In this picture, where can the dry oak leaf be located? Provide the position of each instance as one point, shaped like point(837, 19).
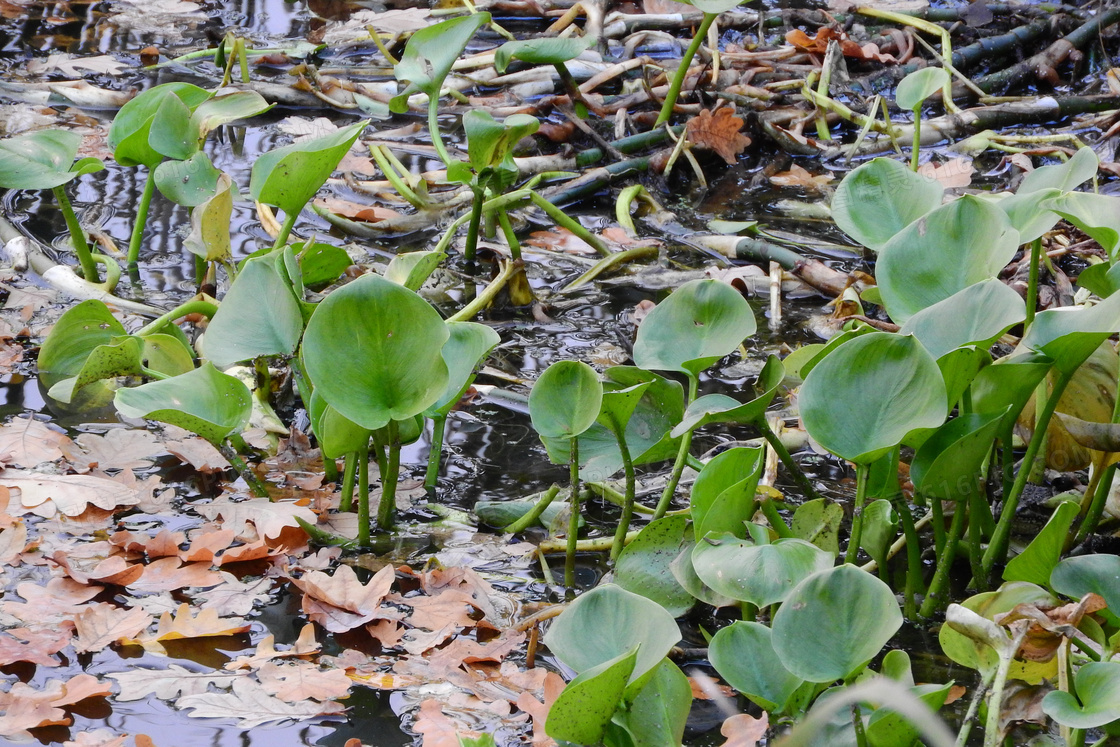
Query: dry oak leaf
point(205, 546)
point(28, 442)
point(270, 518)
point(21, 715)
point(356, 211)
point(164, 544)
point(340, 602)
point(183, 625)
point(170, 683)
point(102, 625)
point(955, 173)
point(299, 680)
point(553, 686)
point(111, 570)
point(46, 605)
point(720, 132)
point(305, 645)
point(449, 607)
point(437, 729)
point(44, 495)
point(13, 541)
point(198, 453)
point(98, 738)
point(170, 574)
point(119, 448)
point(799, 177)
point(57, 692)
point(744, 730)
point(34, 646)
point(253, 706)
point(234, 597)
point(462, 651)
point(387, 632)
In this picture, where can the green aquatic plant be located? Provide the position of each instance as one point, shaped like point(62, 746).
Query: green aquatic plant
point(47, 159)
point(914, 89)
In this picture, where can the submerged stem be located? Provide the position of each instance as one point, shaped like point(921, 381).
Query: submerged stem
point(77, 236)
point(362, 458)
point(933, 600)
point(389, 478)
point(137, 236)
point(349, 472)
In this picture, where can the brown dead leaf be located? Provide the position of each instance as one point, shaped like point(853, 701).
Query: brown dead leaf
point(305, 645)
point(252, 706)
point(436, 728)
point(97, 738)
point(21, 715)
point(34, 646)
point(183, 625)
point(112, 570)
point(101, 625)
point(170, 574)
point(559, 240)
point(818, 44)
point(720, 132)
point(341, 602)
point(118, 448)
point(168, 684)
point(11, 353)
point(206, 545)
point(1049, 627)
point(387, 632)
point(13, 541)
point(799, 177)
point(355, 211)
point(1022, 703)
point(744, 730)
point(199, 453)
point(60, 599)
point(448, 607)
point(295, 681)
point(29, 442)
point(233, 597)
point(955, 173)
point(44, 495)
point(269, 517)
point(538, 710)
point(463, 651)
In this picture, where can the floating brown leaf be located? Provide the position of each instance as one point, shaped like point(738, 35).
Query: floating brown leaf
point(44, 495)
point(744, 730)
point(45, 605)
point(720, 132)
point(184, 625)
point(538, 710)
point(34, 646)
point(170, 683)
point(29, 442)
point(436, 728)
point(270, 518)
point(13, 541)
point(955, 173)
point(111, 570)
point(295, 681)
point(253, 706)
point(97, 738)
point(170, 574)
point(119, 448)
point(799, 177)
point(233, 597)
point(305, 645)
point(102, 625)
point(340, 602)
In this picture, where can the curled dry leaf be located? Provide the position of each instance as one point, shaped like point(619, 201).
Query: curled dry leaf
point(799, 177)
point(436, 728)
point(720, 132)
point(111, 570)
point(341, 602)
point(818, 44)
point(305, 645)
point(170, 574)
point(538, 710)
point(184, 625)
point(13, 541)
point(356, 211)
point(270, 518)
point(97, 738)
point(29, 442)
point(234, 597)
point(23, 707)
point(60, 599)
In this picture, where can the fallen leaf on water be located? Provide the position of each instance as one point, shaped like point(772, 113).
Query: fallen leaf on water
point(34, 646)
point(955, 173)
point(720, 132)
point(436, 728)
point(559, 240)
point(251, 705)
point(799, 177)
point(29, 442)
point(21, 715)
point(118, 448)
point(13, 541)
point(98, 738)
point(448, 607)
point(170, 683)
point(538, 710)
point(112, 570)
point(270, 518)
point(295, 681)
point(744, 730)
point(102, 625)
point(206, 545)
point(170, 574)
point(183, 625)
point(45, 495)
point(46, 605)
point(341, 602)
point(305, 645)
point(72, 67)
point(356, 211)
point(199, 453)
point(234, 597)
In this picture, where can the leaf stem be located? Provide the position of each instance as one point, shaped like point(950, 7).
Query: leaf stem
point(934, 600)
point(137, 236)
point(389, 478)
point(1032, 282)
point(862, 473)
point(433, 129)
point(530, 517)
point(194, 306)
point(916, 146)
point(682, 457)
point(349, 472)
point(77, 236)
point(619, 432)
point(286, 229)
point(682, 70)
point(362, 458)
point(573, 519)
point(476, 222)
point(786, 458)
point(439, 423)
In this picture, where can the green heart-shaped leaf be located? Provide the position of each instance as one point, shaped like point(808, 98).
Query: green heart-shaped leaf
point(545, 51)
point(429, 55)
point(586, 705)
point(977, 315)
point(43, 160)
point(744, 655)
point(565, 400)
point(465, 349)
point(1098, 690)
point(919, 86)
point(759, 574)
point(643, 567)
point(204, 401)
point(880, 198)
point(131, 134)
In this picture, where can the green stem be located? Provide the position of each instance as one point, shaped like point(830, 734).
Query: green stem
point(573, 519)
point(915, 148)
point(619, 431)
point(682, 70)
point(77, 236)
point(389, 478)
point(530, 518)
point(1032, 282)
point(137, 236)
point(286, 229)
point(439, 423)
point(256, 486)
point(362, 458)
point(786, 458)
point(484, 298)
point(934, 597)
point(476, 221)
point(862, 472)
point(606, 263)
point(349, 472)
point(388, 169)
point(330, 470)
point(995, 699)
point(978, 506)
point(194, 306)
point(1096, 508)
point(433, 129)
point(913, 557)
point(511, 236)
point(938, 512)
point(682, 457)
point(770, 511)
point(564, 220)
point(997, 548)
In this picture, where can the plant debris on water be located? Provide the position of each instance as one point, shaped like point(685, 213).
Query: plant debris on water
point(559, 372)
